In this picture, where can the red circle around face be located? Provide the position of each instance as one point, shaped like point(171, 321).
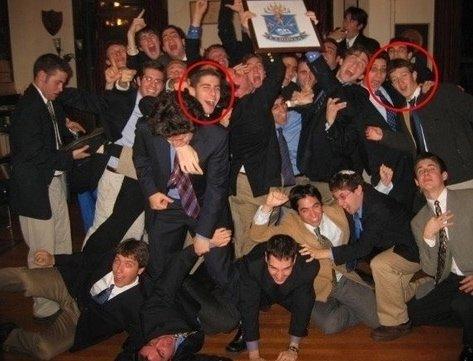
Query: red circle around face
point(183, 105)
point(432, 91)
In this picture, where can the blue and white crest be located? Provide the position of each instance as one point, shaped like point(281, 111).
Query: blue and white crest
point(281, 25)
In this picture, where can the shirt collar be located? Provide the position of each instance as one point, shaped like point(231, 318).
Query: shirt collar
point(442, 198)
point(414, 95)
point(41, 94)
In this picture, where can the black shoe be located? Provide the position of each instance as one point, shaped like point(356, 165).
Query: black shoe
point(467, 354)
point(5, 329)
point(237, 344)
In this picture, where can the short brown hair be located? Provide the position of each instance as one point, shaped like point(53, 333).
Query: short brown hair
point(136, 249)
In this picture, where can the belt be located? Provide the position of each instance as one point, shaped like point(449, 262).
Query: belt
point(111, 169)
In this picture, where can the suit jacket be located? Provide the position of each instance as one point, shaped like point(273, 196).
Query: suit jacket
point(292, 225)
point(151, 156)
point(385, 224)
point(369, 43)
point(460, 234)
point(257, 287)
point(448, 128)
point(34, 157)
point(394, 150)
point(253, 140)
point(97, 322)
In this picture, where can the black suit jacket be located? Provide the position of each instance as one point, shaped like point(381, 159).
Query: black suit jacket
point(34, 157)
point(386, 223)
point(369, 43)
point(394, 151)
point(97, 322)
point(448, 128)
point(257, 288)
point(151, 156)
point(253, 140)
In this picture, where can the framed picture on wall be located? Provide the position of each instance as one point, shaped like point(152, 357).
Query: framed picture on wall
point(211, 16)
point(281, 26)
point(417, 33)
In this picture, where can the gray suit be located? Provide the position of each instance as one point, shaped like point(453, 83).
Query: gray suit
point(445, 304)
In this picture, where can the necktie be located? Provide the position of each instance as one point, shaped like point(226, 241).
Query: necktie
point(390, 115)
point(351, 265)
point(287, 172)
point(325, 242)
point(185, 189)
point(442, 253)
point(104, 295)
point(416, 127)
point(52, 114)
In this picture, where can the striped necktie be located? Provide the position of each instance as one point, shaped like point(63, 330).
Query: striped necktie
point(442, 253)
point(52, 114)
point(390, 115)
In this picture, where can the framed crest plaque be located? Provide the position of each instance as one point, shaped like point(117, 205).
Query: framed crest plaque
point(281, 26)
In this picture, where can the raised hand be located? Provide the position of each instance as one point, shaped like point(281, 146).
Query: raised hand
point(385, 175)
point(435, 224)
point(245, 17)
point(334, 105)
point(137, 24)
point(275, 198)
point(312, 17)
point(236, 7)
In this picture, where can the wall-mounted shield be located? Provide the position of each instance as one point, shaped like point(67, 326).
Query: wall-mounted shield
point(52, 21)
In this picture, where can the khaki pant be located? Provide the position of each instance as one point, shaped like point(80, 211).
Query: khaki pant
point(392, 274)
point(48, 283)
point(52, 235)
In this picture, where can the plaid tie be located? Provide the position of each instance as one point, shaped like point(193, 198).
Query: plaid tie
point(287, 172)
point(185, 189)
point(103, 295)
point(57, 135)
point(390, 115)
point(325, 242)
point(442, 254)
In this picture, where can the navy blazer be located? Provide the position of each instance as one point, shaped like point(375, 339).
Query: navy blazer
point(152, 160)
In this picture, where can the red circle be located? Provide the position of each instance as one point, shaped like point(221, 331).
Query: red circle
point(184, 107)
point(431, 92)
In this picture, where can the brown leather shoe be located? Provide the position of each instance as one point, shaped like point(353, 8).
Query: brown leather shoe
point(389, 333)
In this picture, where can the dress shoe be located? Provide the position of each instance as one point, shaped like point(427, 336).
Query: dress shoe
point(389, 333)
point(467, 354)
point(5, 329)
point(237, 344)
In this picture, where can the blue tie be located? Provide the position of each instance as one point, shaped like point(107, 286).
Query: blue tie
point(390, 115)
point(287, 172)
point(103, 295)
point(351, 265)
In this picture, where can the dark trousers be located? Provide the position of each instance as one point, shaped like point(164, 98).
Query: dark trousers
point(445, 305)
point(128, 206)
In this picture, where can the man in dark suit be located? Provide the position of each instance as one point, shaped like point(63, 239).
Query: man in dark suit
point(98, 292)
point(272, 273)
point(179, 202)
point(443, 126)
point(386, 139)
point(354, 22)
point(255, 164)
point(38, 165)
point(380, 231)
point(443, 229)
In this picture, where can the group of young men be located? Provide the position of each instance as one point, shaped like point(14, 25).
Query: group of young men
point(303, 195)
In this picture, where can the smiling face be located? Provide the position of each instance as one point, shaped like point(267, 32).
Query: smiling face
point(256, 72)
point(280, 269)
point(207, 92)
point(173, 44)
point(219, 55)
point(399, 52)
point(351, 26)
point(125, 270)
point(350, 201)
point(404, 81)
point(159, 349)
point(377, 74)
point(116, 52)
point(430, 178)
point(352, 68)
point(151, 82)
point(51, 85)
point(148, 43)
point(310, 210)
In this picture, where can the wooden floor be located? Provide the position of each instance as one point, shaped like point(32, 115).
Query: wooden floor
point(355, 344)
